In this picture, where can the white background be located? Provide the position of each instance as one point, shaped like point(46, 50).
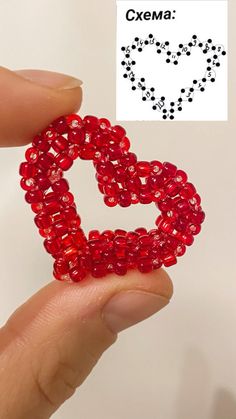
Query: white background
point(181, 363)
point(206, 19)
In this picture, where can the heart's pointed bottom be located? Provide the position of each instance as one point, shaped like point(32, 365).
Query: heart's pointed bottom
point(123, 180)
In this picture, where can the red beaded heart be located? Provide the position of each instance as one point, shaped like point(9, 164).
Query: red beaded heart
point(124, 181)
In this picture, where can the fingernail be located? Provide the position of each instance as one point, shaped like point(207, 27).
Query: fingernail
point(127, 308)
point(50, 79)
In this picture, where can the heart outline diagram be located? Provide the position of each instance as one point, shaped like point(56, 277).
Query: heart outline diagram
point(123, 180)
point(159, 103)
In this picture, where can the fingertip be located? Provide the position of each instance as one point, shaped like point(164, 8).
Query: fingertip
point(27, 106)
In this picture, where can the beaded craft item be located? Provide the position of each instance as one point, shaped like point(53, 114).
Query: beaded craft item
point(124, 181)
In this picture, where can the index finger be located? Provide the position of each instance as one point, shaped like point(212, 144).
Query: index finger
point(31, 99)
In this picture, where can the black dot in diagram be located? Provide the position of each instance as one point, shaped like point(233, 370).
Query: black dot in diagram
point(152, 95)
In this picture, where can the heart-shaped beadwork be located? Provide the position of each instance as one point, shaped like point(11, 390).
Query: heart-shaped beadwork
point(124, 181)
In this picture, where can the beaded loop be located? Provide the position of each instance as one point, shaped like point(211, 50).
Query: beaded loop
point(123, 180)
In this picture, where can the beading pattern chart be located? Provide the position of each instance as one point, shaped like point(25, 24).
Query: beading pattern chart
point(158, 102)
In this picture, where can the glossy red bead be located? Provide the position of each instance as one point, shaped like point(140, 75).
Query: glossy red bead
point(27, 170)
point(60, 187)
point(32, 197)
point(43, 220)
point(59, 144)
point(63, 161)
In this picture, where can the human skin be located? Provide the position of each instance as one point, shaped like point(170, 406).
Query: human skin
point(44, 356)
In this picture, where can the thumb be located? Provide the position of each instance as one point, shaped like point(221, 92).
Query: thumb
point(52, 342)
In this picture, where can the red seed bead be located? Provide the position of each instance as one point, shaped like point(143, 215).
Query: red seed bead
point(94, 235)
point(165, 205)
point(60, 187)
point(58, 217)
point(49, 134)
point(32, 155)
point(120, 232)
point(133, 184)
point(99, 270)
point(67, 241)
point(182, 206)
point(47, 233)
point(156, 182)
point(108, 234)
point(145, 265)
point(73, 151)
point(143, 168)
point(145, 197)
point(37, 207)
point(76, 136)
point(121, 267)
point(158, 195)
point(70, 213)
point(188, 191)
point(52, 207)
point(120, 242)
point(45, 161)
point(165, 226)
point(111, 190)
point(41, 144)
point(42, 181)
point(61, 267)
point(124, 199)
point(118, 132)
point(79, 238)
point(50, 196)
point(28, 184)
point(110, 201)
point(75, 223)
point(54, 174)
point(187, 239)
point(195, 200)
point(60, 144)
point(52, 246)
point(43, 220)
point(193, 229)
point(169, 169)
point(69, 252)
point(181, 177)
point(125, 144)
point(63, 161)
point(60, 228)
point(172, 188)
point(145, 241)
point(120, 174)
point(156, 167)
point(60, 125)
point(34, 196)
point(141, 231)
point(74, 121)
point(132, 237)
point(134, 198)
point(27, 170)
point(77, 274)
point(114, 152)
point(104, 124)
point(88, 152)
point(156, 263)
point(105, 169)
point(128, 159)
point(170, 260)
point(91, 123)
point(180, 250)
point(67, 199)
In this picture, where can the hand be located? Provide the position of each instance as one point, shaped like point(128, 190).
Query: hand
point(51, 343)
